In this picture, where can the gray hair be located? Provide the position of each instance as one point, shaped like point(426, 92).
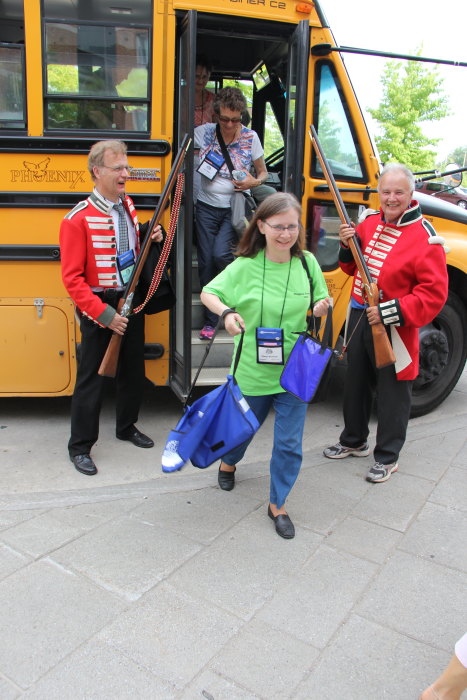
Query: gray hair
point(398, 167)
point(97, 153)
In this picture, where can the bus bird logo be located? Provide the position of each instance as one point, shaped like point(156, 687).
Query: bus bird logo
point(38, 169)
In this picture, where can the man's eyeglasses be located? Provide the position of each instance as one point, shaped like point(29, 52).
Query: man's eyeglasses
point(118, 168)
point(226, 120)
point(278, 228)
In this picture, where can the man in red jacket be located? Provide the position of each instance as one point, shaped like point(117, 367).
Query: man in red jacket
point(99, 242)
point(407, 261)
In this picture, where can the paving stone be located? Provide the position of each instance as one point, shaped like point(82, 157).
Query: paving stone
point(420, 599)
point(9, 518)
point(97, 671)
point(369, 662)
point(243, 567)
point(40, 535)
point(431, 454)
point(364, 539)
point(324, 495)
point(11, 560)
point(394, 503)
point(7, 690)
point(451, 491)
point(440, 534)
point(210, 686)
point(47, 612)
point(199, 515)
point(416, 461)
point(127, 556)
point(318, 599)
point(265, 661)
point(170, 633)
point(87, 516)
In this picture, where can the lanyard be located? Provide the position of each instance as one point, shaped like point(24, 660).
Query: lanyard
point(285, 293)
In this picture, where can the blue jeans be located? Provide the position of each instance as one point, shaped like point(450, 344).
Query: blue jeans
point(216, 243)
point(286, 458)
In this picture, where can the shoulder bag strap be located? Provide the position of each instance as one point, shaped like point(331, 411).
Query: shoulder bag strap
point(224, 150)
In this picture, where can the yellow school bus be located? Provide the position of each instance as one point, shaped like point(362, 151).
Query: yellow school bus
point(76, 72)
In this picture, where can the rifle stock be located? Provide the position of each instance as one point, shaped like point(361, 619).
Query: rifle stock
point(384, 354)
point(108, 366)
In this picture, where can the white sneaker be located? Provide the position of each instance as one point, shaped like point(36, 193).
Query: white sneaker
point(339, 451)
point(381, 472)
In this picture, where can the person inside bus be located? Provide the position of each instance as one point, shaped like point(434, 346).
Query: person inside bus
point(204, 99)
point(99, 240)
point(407, 261)
point(204, 111)
point(216, 235)
point(267, 287)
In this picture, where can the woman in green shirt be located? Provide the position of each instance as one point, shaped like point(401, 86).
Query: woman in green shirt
point(266, 293)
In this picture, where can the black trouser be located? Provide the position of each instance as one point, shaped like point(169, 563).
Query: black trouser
point(87, 397)
point(361, 381)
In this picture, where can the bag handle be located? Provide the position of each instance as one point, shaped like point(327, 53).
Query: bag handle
point(206, 353)
point(327, 335)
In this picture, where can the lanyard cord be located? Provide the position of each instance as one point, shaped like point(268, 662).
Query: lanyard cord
point(285, 293)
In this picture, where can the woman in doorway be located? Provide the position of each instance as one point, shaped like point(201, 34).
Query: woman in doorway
point(267, 287)
point(216, 236)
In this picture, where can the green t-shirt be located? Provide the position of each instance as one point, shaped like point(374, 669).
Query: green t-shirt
point(240, 286)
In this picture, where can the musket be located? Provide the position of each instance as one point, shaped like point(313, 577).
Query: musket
point(108, 367)
point(384, 354)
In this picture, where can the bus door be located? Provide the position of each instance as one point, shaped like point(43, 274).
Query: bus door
point(297, 85)
point(268, 61)
point(180, 357)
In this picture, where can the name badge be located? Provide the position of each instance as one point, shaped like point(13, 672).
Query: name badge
point(126, 263)
point(210, 165)
point(269, 346)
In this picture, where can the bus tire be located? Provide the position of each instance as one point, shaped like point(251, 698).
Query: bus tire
point(443, 353)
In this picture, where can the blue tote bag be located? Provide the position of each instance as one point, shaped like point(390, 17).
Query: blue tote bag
point(307, 363)
point(212, 426)
point(309, 358)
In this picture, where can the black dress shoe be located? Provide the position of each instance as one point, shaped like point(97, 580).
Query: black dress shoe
point(226, 480)
point(84, 464)
point(137, 438)
point(284, 525)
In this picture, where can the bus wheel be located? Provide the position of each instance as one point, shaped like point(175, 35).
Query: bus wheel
point(443, 351)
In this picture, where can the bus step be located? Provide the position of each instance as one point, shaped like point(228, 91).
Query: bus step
point(210, 376)
point(220, 354)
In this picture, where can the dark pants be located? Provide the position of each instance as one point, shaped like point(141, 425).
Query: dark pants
point(361, 382)
point(216, 243)
point(87, 397)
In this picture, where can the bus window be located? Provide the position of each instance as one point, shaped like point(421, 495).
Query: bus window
point(335, 134)
point(12, 102)
point(273, 138)
point(322, 236)
point(97, 77)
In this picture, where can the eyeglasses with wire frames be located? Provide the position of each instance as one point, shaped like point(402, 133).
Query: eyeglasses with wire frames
point(279, 228)
point(118, 168)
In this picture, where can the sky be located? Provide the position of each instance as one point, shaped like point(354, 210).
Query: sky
point(402, 26)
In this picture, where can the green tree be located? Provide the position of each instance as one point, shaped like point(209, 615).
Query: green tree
point(458, 155)
point(412, 94)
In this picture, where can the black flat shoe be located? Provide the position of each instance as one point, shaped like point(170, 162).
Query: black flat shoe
point(284, 525)
point(138, 438)
point(84, 464)
point(226, 480)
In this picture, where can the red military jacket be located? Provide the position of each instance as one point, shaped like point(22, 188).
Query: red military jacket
point(408, 263)
point(88, 250)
